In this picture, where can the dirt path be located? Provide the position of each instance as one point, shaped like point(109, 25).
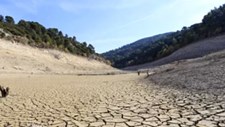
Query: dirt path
point(107, 101)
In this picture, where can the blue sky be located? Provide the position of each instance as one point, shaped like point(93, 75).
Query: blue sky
point(109, 24)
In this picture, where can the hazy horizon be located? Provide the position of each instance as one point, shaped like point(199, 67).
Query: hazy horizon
point(110, 24)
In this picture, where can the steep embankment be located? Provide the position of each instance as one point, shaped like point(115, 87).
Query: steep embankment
point(17, 58)
point(194, 50)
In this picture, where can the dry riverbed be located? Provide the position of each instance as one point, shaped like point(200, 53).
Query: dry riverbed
point(106, 101)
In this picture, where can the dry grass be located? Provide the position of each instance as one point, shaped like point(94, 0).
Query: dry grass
point(17, 58)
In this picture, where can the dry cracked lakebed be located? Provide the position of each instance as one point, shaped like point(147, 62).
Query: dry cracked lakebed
point(104, 101)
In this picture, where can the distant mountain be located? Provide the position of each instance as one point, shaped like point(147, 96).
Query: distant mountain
point(191, 51)
point(124, 53)
point(213, 24)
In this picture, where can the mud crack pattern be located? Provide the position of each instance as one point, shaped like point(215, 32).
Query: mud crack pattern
point(105, 101)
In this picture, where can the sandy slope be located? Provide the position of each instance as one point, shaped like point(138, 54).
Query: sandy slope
point(18, 58)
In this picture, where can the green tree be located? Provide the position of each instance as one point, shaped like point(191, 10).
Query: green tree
point(46, 38)
point(9, 19)
point(74, 39)
point(1, 18)
point(91, 48)
point(84, 44)
point(60, 34)
point(23, 23)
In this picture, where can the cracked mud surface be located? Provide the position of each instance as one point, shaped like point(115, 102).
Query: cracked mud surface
point(104, 101)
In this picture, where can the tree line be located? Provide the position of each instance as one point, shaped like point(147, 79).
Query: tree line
point(39, 36)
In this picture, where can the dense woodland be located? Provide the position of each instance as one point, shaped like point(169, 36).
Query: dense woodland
point(213, 24)
point(37, 35)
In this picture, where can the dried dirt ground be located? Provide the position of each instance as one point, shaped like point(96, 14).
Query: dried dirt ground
point(104, 101)
point(46, 91)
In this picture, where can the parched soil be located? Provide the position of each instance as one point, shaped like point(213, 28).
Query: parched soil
point(104, 101)
point(205, 74)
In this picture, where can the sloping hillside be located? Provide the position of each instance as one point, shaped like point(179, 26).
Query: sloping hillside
point(18, 58)
point(125, 55)
point(194, 50)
